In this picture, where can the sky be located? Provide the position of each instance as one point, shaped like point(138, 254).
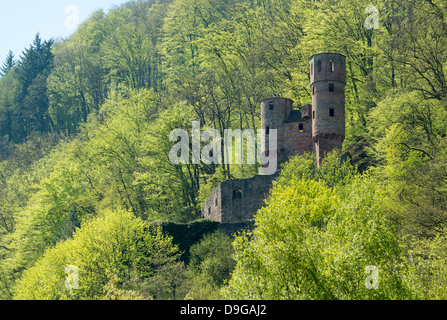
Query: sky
point(21, 20)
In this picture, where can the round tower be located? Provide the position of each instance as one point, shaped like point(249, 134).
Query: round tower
point(274, 111)
point(327, 81)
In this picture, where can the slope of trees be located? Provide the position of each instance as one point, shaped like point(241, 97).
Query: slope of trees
point(84, 136)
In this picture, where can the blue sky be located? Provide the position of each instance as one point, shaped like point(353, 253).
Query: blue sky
point(20, 20)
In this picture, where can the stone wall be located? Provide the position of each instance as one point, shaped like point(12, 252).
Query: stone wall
point(299, 141)
point(327, 81)
point(273, 113)
point(236, 201)
point(322, 130)
point(323, 100)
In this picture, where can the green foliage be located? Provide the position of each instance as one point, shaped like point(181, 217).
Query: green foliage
point(311, 243)
point(115, 242)
point(334, 171)
point(210, 266)
point(112, 292)
point(85, 124)
point(8, 64)
point(186, 235)
point(213, 257)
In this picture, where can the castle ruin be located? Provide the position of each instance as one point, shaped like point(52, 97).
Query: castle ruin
point(318, 127)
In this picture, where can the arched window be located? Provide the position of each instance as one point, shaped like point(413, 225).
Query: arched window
point(331, 66)
point(237, 194)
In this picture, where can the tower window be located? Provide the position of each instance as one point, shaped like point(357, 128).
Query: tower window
point(267, 130)
point(313, 90)
point(313, 114)
point(300, 127)
point(209, 211)
point(331, 87)
point(271, 105)
point(331, 112)
point(237, 194)
point(215, 202)
point(331, 66)
point(319, 66)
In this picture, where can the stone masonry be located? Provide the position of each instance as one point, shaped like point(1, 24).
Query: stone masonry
point(318, 128)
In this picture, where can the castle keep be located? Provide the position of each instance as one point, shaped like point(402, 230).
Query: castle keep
point(318, 127)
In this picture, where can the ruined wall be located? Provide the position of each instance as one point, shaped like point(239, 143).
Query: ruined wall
point(319, 128)
point(212, 207)
point(237, 200)
point(299, 141)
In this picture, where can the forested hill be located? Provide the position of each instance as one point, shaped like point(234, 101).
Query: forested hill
point(84, 150)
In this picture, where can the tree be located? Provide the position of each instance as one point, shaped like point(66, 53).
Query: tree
point(8, 64)
point(210, 266)
point(32, 71)
point(314, 242)
point(115, 243)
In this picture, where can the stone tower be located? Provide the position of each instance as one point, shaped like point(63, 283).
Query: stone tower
point(317, 128)
point(327, 81)
point(274, 111)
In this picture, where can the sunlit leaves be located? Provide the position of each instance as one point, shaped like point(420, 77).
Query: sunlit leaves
point(312, 242)
point(116, 243)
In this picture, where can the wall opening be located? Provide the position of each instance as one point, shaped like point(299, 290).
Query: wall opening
point(331, 87)
point(313, 114)
point(313, 90)
point(300, 127)
point(331, 112)
point(319, 65)
point(271, 105)
point(237, 193)
point(331, 66)
point(267, 130)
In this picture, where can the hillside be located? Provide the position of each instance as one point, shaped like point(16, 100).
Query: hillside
point(86, 178)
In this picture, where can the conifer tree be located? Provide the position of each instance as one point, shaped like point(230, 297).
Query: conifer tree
point(8, 64)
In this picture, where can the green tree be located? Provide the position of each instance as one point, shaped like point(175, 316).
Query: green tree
point(8, 64)
point(9, 104)
point(32, 71)
point(78, 84)
point(210, 266)
point(314, 242)
point(115, 242)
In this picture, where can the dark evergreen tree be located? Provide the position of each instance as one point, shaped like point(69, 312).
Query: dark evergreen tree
point(33, 70)
point(8, 64)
